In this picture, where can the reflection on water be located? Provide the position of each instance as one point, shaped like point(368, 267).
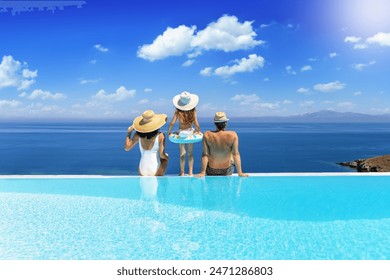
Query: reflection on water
point(149, 187)
point(299, 198)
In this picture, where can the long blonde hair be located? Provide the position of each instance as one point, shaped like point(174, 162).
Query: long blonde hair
point(186, 117)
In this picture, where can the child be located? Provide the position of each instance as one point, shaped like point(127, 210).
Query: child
point(185, 104)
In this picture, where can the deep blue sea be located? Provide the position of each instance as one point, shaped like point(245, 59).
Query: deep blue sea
point(97, 147)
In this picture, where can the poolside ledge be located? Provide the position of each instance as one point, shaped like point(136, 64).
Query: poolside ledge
point(303, 174)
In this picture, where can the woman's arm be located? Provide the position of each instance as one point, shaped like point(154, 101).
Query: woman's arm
point(163, 156)
point(130, 142)
point(161, 147)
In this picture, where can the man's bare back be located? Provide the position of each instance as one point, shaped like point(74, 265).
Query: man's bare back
point(220, 147)
point(220, 150)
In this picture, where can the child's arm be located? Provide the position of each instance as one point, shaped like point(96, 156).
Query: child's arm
point(174, 119)
point(196, 123)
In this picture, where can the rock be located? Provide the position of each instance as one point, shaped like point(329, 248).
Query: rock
point(375, 164)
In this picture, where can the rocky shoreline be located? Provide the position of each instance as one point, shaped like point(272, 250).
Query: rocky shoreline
point(375, 164)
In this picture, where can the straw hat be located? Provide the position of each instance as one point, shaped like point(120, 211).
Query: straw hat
point(220, 117)
point(185, 101)
point(149, 121)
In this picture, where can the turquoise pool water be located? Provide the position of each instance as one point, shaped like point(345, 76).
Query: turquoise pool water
point(260, 217)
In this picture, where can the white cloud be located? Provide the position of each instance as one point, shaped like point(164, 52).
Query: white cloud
point(303, 90)
point(286, 102)
point(270, 106)
point(333, 55)
point(360, 46)
point(173, 42)
point(266, 25)
point(188, 63)
point(329, 87)
point(245, 99)
point(148, 90)
point(290, 70)
point(208, 71)
point(346, 105)
point(380, 110)
point(352, 39)
point(381, 38)
point(16, 74)
point(41, 110)
point(119, 95)
point(84, 81)
point(357, 93)
point(44, 95)
point(306, 68)
point(93, 61)
point(356, 41)
point(249, 64)
point(9, 104)
point(101, 48)
point(143, 101)
point(253, 101)
point(226, 34)
point(361, 66)
point(209, 107)
point(308, 103)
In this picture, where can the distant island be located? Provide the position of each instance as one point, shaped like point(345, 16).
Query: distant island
point(375, 164)
point(320, 116)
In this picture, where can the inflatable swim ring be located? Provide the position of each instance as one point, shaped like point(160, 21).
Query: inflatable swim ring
point(175, 138)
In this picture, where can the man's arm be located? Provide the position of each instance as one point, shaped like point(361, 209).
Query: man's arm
point(237, 157)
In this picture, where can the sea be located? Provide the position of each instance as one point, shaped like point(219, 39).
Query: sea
point(97, 148)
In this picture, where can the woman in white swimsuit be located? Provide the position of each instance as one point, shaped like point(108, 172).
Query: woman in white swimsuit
point(154, 159)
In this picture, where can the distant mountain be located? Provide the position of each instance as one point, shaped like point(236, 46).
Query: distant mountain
point(321, 116)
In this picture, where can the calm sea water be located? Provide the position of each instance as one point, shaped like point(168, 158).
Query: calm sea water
point(97, 148)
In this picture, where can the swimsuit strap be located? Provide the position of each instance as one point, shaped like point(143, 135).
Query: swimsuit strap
point(154, 147)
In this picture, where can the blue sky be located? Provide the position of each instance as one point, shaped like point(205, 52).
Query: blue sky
point(115, 59)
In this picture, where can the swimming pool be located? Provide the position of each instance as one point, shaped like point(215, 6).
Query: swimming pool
point(264, 216)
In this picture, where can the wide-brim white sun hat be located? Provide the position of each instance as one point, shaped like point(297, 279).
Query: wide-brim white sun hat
point(149, 121)
point(185, 101)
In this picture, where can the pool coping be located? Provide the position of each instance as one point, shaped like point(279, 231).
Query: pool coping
point(303, 174)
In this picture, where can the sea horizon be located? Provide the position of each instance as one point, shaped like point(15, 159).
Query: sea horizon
point(97, 147)
point(322, 116)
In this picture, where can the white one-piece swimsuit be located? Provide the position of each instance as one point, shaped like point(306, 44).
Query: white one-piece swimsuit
point(150, 159)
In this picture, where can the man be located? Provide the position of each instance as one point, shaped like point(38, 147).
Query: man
point(220, 150)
